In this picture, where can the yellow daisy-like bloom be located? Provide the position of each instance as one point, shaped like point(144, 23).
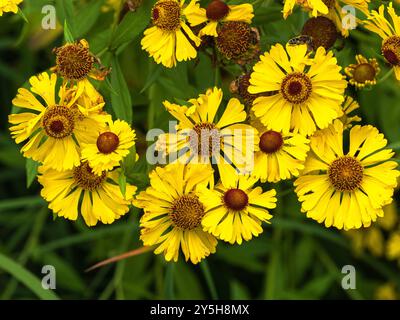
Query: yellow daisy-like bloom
point(363, 73)
point(332, 9)
point(217, 12)
point(390, 34)
point(102, 199)
point(55, 129)
point(303, 93)
point(349, 105)
point(347, 190)
point(201, 139)
point(173, 212)
point(75, 62)
point(169, 39)
point(279, 156)
point(234, 210)
point(110, 147)
point(9, 6)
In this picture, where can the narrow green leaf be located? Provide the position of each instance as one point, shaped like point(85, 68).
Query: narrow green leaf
point(122, 182)
point(67, 33)
point(26, 277)
point(120, 100)
point(31, 171)
point(23, 16)
point(87, 17)
point(132, 25)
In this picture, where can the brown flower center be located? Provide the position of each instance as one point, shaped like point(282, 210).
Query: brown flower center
point(296, 87)
point(167, 15)
point(74, 61)
point(236, 199)
point(391, 50)
point(107, 142)
point(364, 72)
point(234, 39)
point(217, 10)
point(322, 31)
point(58, 122)
point(271, 141)
point(187, 212)
point(346, 173)
point(329, 3)
point(86, 179)
point(205, 139)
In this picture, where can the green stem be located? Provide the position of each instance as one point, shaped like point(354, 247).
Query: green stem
point(210, 282)
point(386, 76)
point(169, 291)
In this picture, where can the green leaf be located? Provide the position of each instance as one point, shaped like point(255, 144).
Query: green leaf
point(67, 33)
point(66, 15)
point(23, 16)
point(129, 161)
point(26, 278)
point(120, 100)
point(122, 182)
point(87, 17)
point(31, 171)
point(132, 25)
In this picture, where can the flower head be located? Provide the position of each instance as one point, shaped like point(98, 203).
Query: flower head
point(170, 39)
point(54, 129)
point(173, 212)
point(234, 209)
point(347, 189)
point(111, 145)
point(389, 32)
point(74, 62)
point(102, 199)
point(216, 14)
point(304, 93)
point(363, 73)
point(201, 139)
point(279, 156)
point(9, 6)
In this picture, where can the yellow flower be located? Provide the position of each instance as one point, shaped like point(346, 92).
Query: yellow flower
point(75, 62)
point(173, 212)
point(316, 6)
point(305, 93)
point(234, 210)
point(217, 12)
point(347, 190)
point(389, 220)
point(279, 156)
point(349, 105)
point(111, 145)
point(386, 291)
point(393, 246)
point(9, 6)
point(363, 73)
point(102, 199)
point(332, 9)
point(201, 139)
point(55, 129)
point(168, 40)
point(390, 34)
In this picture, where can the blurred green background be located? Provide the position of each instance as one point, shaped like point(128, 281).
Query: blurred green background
point(295, 257)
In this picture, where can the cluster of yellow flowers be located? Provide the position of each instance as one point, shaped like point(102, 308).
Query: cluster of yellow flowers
point(65, 128)
point(293, 121)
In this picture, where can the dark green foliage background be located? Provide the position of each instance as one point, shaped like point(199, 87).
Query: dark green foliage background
point(294, 258)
